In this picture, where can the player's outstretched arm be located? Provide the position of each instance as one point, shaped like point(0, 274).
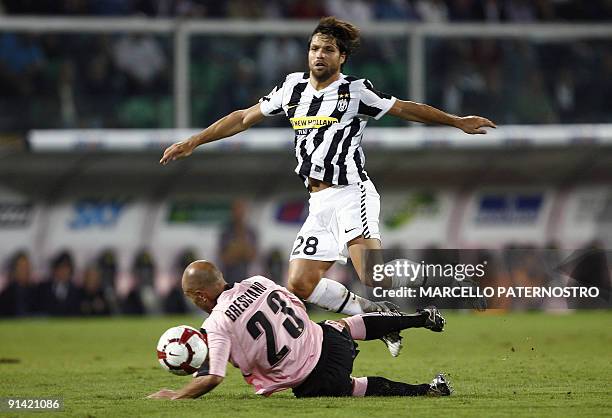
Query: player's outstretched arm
point(235, 122)
point(194, 389)
point(419, 112)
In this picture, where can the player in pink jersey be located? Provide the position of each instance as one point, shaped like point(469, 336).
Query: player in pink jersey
point(264, 330)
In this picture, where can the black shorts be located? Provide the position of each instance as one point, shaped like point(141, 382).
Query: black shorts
point(332, 374)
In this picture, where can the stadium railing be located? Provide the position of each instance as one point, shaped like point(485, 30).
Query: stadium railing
point(272, 139)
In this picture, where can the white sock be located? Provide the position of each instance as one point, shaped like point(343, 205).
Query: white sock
point(333, 296)
point(407, 273)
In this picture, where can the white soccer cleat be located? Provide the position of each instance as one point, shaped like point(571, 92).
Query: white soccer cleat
point(393, 341)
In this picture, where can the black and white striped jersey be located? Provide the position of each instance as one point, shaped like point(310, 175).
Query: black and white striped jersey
point(328, 124)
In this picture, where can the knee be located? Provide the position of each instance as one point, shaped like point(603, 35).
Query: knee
point(302, 284)
point(345, 325)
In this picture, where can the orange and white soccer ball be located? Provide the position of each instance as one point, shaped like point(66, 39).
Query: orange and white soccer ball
point(182, 350)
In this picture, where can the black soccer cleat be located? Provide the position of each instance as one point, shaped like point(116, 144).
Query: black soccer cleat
point(440, 386)
point(434, 321)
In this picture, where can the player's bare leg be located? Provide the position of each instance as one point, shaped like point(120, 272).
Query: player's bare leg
point(304, 275)
point(357, 248)
point(364, 265)
point(307, 281)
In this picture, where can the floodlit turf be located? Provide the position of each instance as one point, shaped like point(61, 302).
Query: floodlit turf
point(501, 365)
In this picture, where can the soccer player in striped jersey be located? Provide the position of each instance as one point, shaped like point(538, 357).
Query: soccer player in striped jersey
point(329, 112)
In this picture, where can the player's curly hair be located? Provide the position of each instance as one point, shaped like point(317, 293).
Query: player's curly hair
point(346, 34)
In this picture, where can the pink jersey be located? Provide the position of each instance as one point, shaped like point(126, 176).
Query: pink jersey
point(264, 330)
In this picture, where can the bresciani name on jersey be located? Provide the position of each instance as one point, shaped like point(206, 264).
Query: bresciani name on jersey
point(237, 307)
point(328, 124)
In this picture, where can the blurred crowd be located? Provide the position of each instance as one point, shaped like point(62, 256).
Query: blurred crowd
point(125, 80)
point(94, 291)
point(95, 81)
point(122, 80)
point(356, 10)
point(100, 288)
point(520, 82)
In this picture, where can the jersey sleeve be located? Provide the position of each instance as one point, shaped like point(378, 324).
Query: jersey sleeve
point(204, 369)
point(272, 104)
point(373, 103)
point(219, 346)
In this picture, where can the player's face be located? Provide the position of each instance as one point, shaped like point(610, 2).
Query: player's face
point(199, 299)
point(324, 57)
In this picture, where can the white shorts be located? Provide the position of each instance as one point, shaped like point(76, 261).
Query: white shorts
point(337, 215)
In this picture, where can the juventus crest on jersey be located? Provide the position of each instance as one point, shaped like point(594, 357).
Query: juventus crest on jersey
point(328, 124)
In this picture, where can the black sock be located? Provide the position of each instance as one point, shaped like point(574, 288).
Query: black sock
point(379, 386)
point(382, 323)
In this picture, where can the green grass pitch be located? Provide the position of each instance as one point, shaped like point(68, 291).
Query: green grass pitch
point(527, 364)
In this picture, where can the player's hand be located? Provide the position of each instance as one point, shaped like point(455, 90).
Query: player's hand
point(163, 394)
point(180, 149)
point(474, 124)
